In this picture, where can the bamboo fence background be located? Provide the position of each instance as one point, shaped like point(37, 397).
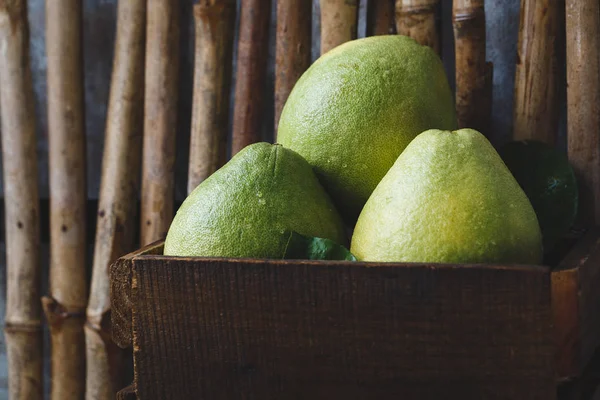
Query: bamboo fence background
point(502, 19)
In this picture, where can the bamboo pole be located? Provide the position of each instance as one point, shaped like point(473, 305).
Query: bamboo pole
point(118, 195)
point(23, 313)
point(251, 72)
point(381, 19)
point(160, 118)
point(536, 101)
point(416, 18)
point(212, 78)
point(583, 103)
point(65, 309)
point(473, 74)
point(293, 47)
point(339, 20)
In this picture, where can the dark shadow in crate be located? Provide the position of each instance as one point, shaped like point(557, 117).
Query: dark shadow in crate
point(274, 329)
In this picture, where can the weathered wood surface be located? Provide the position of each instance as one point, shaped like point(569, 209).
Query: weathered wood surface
point(127, 394)
point(336, 330)
point(473, 74)
point(339, 22)
point(417, 19)
point(536, 81)
point(120, 290)
point(23, 321)
point(160, 118)
point(381, 17)
point(212, 78)
point(65, 307)
point(576, 306)
point(293, 45)
point(117, 208)
point(583, 103)
point(251, 73)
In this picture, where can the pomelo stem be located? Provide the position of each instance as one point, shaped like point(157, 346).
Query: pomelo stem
point(212, 77)
point(293, 48)
point(583, 103)
point(536, 100)
point(65, 308)
point(473, 74)
point(19, 165)
point(251, 73)
point(416, 18)
point(118, 195)
point(339, 20)
point(160, 118)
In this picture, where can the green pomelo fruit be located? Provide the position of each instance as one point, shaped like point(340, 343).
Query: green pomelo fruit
point(449, 198)
point(548, 180)
point(357, 107)
point(248, 207)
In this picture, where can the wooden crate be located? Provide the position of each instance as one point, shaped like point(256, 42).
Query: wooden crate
point(273, 329)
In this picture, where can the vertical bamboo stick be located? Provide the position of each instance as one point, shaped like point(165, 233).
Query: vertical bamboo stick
point(536, 102)
point(251, 72)
point(65, 309)
point(212, 77)
point(583, 102)
point(473, 74)
point(118, 195)
point(339, 20)
point(416, 18)
point(23, 312)
point(381, 19)
point(293, 47)
point(160, 118)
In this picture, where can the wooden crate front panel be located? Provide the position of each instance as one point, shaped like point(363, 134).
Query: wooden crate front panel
point(252, 329)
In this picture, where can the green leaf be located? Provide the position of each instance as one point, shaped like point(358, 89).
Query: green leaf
point(300, 247)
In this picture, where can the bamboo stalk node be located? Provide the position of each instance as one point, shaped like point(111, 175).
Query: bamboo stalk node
point(57, 313)
point(26, 326)
point(468, 14)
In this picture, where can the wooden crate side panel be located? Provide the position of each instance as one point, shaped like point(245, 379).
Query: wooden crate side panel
point(266, 330)
point(120, 293)
point(576, 306)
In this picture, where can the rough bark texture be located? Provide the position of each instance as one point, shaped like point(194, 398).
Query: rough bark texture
point(212, 77)
point(19, 167)
point(68, 287)
point(416, 18)
point(536, 99)
point(292, 48)
point(583, 103)
point(251, 72)
point(160, 117)
point(381, 17)
point(473, 74)
point(118, 195)
point(339, 20)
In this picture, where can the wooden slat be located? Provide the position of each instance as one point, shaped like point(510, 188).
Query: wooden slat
point(293, 45)
point(416, 18)
point(339, 22)
point(583, 103)
point(214, 20)
point(276, 329)
point(120, 293)
point(251, 73)
point(160, 117)
point(576, 306)
point(536, 78)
